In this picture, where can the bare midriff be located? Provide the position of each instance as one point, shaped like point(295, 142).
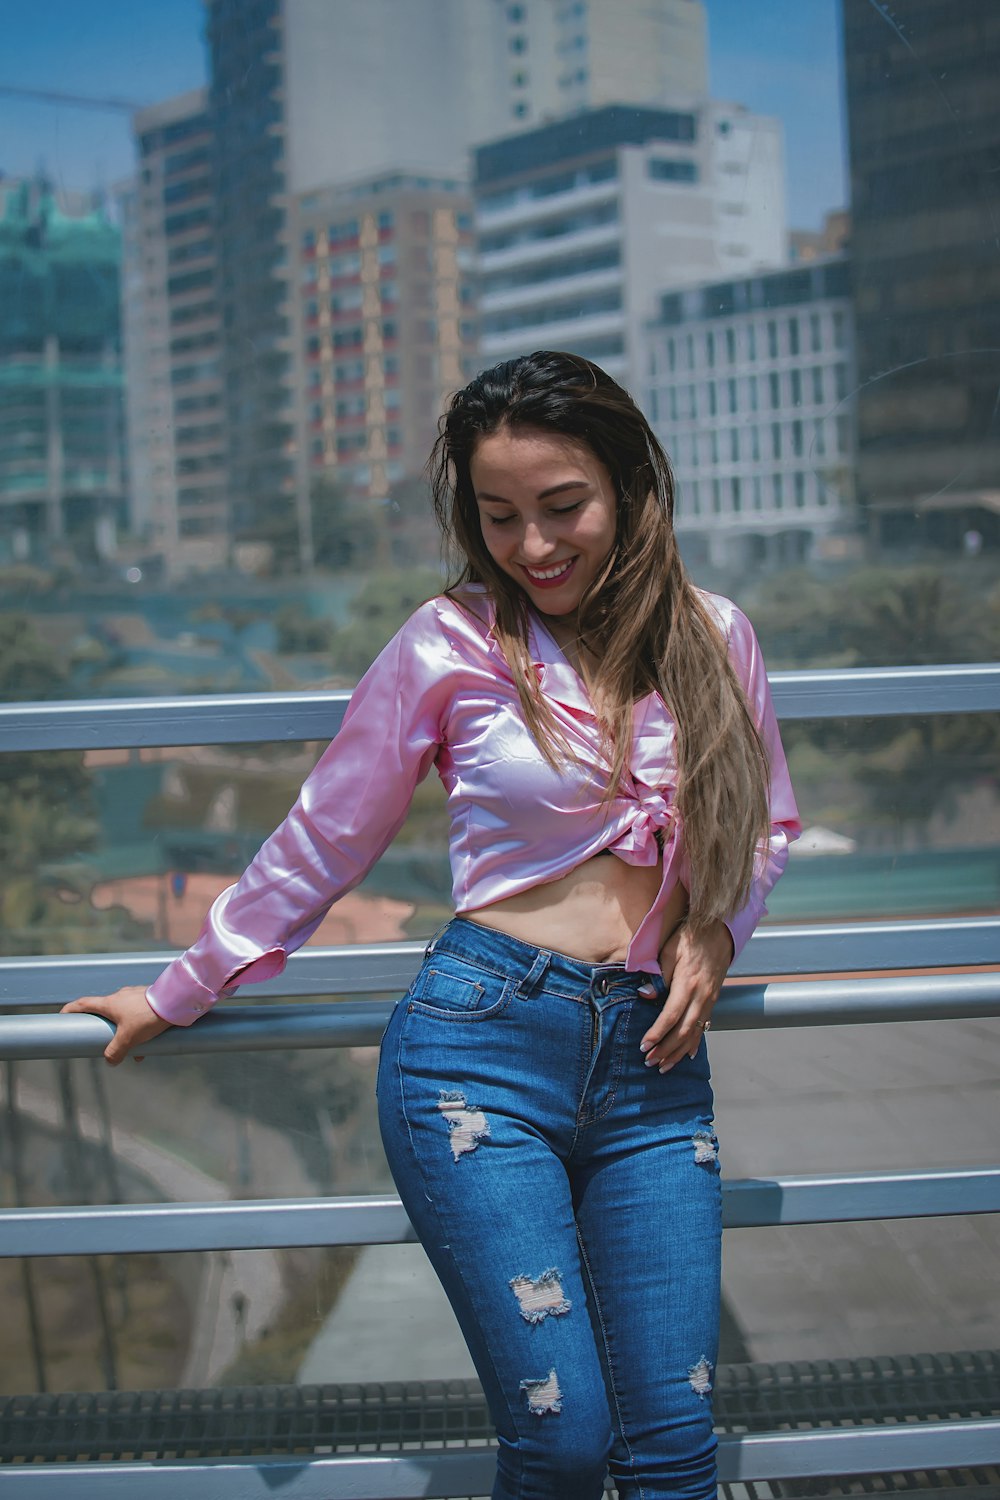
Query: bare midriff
point(591, 914)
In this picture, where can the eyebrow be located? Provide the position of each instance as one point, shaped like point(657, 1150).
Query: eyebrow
point(555, 489)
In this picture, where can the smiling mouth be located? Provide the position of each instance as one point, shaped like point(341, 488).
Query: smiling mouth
point(555, 574)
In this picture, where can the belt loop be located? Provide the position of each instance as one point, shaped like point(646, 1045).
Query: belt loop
point(436, 938)
point(534, 976)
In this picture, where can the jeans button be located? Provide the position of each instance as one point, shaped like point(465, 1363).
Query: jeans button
point(602, 985)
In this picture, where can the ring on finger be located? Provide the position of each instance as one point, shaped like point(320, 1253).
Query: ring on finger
point(705, 1025)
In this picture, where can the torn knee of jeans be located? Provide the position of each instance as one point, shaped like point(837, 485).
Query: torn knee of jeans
point(700, 1377)
point(543, 1395)
point(540, 1298)
point(706, 1147)
point(467, 1126)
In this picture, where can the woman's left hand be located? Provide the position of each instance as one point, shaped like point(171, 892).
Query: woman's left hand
point(693, 964)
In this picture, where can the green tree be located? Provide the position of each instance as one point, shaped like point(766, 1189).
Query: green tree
point(46, 815)
point(377, 612)
point(905, 769)
point(345, 532)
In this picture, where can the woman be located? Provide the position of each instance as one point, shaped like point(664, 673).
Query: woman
point(620, 808)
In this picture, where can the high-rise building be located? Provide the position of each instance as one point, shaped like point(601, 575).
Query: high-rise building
point(654, 53)
point(62, 471)
point(387, 317)
point(583, 223)
point(458, 72)
point(247, 103)
point(923, 109)
point(751, 391)
point(177, 453)
point(305, 96)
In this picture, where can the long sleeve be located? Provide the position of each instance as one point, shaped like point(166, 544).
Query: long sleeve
point(348, 811)
point(745, 655)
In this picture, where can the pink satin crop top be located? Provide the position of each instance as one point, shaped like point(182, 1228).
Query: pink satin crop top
point(442, 694)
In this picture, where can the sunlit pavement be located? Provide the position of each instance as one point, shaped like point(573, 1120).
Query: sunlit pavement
point(825, 1099)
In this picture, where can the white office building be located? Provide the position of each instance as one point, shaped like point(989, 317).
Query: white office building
point(750, 388)
point(410, 85)
point(584, 223)
point(172, 328)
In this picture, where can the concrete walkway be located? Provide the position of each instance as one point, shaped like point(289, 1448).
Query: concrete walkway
point(817, 1099)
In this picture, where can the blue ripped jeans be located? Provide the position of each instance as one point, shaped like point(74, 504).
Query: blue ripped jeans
point(569, 1199)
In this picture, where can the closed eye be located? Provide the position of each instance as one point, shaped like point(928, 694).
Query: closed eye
point(566, 510)
point(498, 520)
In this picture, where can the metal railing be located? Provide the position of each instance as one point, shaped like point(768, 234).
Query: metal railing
point(851, 949)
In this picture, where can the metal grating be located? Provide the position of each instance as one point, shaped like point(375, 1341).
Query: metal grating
point(393, 1416)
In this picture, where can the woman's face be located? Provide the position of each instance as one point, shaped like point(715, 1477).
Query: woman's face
point(547, 509)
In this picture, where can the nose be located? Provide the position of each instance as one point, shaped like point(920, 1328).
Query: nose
point(535, 545)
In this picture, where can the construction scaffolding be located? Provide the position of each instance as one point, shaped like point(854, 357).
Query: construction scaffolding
point(62, 472)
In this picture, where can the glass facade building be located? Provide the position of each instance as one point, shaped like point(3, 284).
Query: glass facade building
point(924, 142)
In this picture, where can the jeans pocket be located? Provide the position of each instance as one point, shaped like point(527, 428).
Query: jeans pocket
point(458, 991)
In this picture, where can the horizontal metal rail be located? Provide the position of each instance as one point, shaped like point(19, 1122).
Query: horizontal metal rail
point(820, 1454)
point(248, 718)
point(387, 968)
point(376, 1219)
point(360, 1023)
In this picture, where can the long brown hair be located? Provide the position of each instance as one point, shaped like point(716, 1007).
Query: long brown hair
point(641, 621)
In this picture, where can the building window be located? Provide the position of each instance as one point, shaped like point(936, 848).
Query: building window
point(712, 408)
point(755, 444)
point(779, 492)
point(840, 381)
point(751, 342)
point(817, 381)
point(843, 435)
point(659, 170)
point(731, 387)
point(839, 330)
point(815, 333)
point(800, 489)
point(671, 355)
point(797, 438)
point(734, 445)
point(731, 345)
point(753, 392)
point(793, 335)
point(757, 492)
point(819, 439)
point(772, 339)
point(710, 349)
point(776, 439)
point(716, 496)
point(796, 387)
point(775, 389)
point(737, 494)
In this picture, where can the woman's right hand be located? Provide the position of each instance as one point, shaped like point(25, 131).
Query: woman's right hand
point(134, 1019)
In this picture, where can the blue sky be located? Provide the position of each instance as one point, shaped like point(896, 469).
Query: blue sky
point(779, 57)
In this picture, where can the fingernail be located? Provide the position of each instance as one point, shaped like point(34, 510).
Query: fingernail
point(650, 1062)
point(644, 1046)
point(666, 1067)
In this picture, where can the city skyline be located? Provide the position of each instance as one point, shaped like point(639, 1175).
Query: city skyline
point(785, 62)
